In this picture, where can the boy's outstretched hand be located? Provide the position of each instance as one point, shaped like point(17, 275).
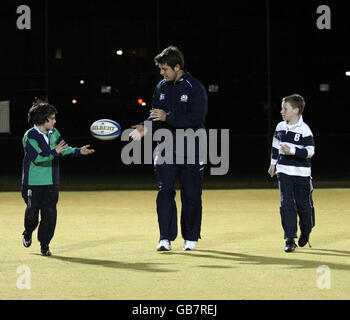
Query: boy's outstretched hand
point(86, 151)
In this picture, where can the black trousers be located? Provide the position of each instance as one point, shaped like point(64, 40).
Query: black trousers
point(190, 178)
point(41, 199)
point(296, 200)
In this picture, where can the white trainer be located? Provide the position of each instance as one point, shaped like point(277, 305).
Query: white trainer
point(189, 245)
point(164, 245)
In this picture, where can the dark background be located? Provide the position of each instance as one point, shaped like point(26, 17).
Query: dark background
point(257, 52)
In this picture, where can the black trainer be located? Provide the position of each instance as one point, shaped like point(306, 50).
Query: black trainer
point(290, 245)
point(303, 240)
point(45, 250)
point(27, 239)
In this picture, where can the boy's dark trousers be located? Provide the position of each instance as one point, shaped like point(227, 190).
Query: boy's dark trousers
point(43, 199)
point(296, 200)
point(191, 177)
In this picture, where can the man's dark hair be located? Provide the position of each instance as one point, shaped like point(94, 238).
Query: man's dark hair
point(171, 56)
point(296, 101)
point(40, 111)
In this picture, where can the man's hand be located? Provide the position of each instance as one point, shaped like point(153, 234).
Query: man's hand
point(139, 132)
point(86, 151)
point(272, 170)
point(158, 115)
point(62, 146)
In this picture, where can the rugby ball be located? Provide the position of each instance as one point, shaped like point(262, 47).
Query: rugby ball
point(105, 129)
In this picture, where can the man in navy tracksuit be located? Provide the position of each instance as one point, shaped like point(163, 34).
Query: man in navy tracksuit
point(179, 102)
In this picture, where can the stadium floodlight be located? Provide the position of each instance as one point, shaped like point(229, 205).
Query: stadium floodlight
point(347, 73)
point(119, 52)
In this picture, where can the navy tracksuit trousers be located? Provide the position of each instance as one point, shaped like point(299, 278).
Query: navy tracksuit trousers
point(41, 199)
point(190, 178)
point(296, 200)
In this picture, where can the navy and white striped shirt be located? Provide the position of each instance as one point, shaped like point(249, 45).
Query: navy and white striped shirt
point(302, 147)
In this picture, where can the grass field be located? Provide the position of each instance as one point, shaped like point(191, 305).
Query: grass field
point(105, 248)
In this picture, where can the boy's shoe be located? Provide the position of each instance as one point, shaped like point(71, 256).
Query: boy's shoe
point(164, 245)
point(290, 245)
point(303, 240)
point(27, 239)
point(189, 245)
point(45, 250)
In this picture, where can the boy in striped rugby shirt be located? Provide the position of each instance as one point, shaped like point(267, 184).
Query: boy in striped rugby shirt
point(292, 148)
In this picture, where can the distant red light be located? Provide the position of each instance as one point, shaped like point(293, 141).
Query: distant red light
point(140, 101)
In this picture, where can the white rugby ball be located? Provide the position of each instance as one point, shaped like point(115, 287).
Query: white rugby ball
point(105, 129)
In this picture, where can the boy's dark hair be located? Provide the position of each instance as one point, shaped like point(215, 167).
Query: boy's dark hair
point(40, 111)
point(171, 56)
point(296, 101)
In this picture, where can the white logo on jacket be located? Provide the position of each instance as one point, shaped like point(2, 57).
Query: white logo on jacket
point(162, 96)
point(184, 98)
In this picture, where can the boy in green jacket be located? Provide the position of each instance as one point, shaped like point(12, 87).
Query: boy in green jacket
point(43, 146)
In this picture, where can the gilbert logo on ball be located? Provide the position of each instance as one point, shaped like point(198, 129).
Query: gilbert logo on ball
point(105, 129)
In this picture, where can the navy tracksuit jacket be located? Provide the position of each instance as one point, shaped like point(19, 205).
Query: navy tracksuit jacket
point(186, 105)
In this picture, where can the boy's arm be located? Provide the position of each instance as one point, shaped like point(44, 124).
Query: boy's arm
point(275, 148)
point(40, 155)
point(35, 153)
point(65, 150)
point(274, 154)
point(302, 152)
point(68, 150)
point(306, 152)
